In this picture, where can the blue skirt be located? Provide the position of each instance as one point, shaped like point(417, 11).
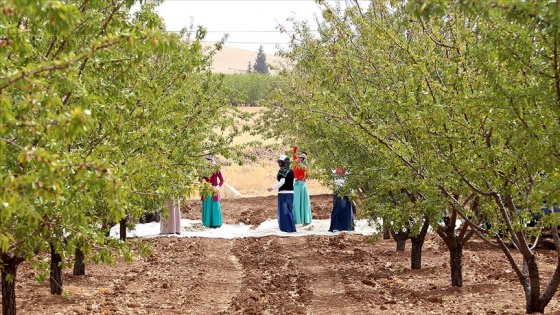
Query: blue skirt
point(302, 205)
point(285, 213)
point(211, 212)
point(342, 218)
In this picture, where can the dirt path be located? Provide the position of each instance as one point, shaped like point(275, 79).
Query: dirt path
point(335, 274)
point(216, 279)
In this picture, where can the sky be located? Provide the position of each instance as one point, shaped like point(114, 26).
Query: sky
point(249, 23)
point(194, 228)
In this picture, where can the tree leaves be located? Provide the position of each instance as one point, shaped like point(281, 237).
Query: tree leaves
point(425, 97)
point(103, 117)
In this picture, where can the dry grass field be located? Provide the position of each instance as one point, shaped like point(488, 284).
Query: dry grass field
point(232, 60)
point(252, 178)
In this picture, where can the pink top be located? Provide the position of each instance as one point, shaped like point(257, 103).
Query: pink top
point(214, 181)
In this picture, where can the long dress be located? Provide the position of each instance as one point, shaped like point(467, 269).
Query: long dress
point(342, 216)
point(211, 208)
point(171, 224)
point(302, 204)
point(285, 211)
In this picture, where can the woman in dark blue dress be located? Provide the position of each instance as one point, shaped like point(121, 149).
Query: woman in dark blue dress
point(342, 216)
point(285, 187)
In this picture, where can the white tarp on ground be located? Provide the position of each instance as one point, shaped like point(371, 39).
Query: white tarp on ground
point(194, 228)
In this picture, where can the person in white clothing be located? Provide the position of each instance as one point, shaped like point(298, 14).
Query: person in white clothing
point(171, 224)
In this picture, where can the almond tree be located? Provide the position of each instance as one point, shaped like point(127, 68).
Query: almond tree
point(508, 62)
point(460, 102)
point(103, 116)
point(37, 127)
point(337, 93)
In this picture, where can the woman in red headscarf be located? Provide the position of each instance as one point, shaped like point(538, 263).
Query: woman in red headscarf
point(302, 204)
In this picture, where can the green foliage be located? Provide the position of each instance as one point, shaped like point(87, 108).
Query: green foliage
point(408, 117)
point(103, 116)
point(430, 103)
point(374, 238)
point(249, 89)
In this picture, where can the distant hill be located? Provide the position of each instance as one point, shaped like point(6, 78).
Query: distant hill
point(232, 60)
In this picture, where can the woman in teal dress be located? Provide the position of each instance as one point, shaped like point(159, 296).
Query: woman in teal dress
point(211, 210)
point(302, 204)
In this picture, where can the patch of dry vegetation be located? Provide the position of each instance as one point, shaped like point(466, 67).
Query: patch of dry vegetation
point(252, 178)
point(231, 60)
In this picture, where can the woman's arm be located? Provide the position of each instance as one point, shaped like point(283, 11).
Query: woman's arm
point(220, 177)
point(279, 184)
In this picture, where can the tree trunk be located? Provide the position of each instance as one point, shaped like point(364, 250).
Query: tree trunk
point(532, 296)
point(533, 304)
point(417, 244)
point(416, 253)
point(454, 244)
point(386, 234)
point(122, 225)
point(400, 238)
point(401, 244)
point(56, 272)
point(386, 230)
point(79, 265)
point(9, 272)
point(456, 264)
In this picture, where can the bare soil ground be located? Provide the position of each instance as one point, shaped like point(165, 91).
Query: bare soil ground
point(339, 274)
